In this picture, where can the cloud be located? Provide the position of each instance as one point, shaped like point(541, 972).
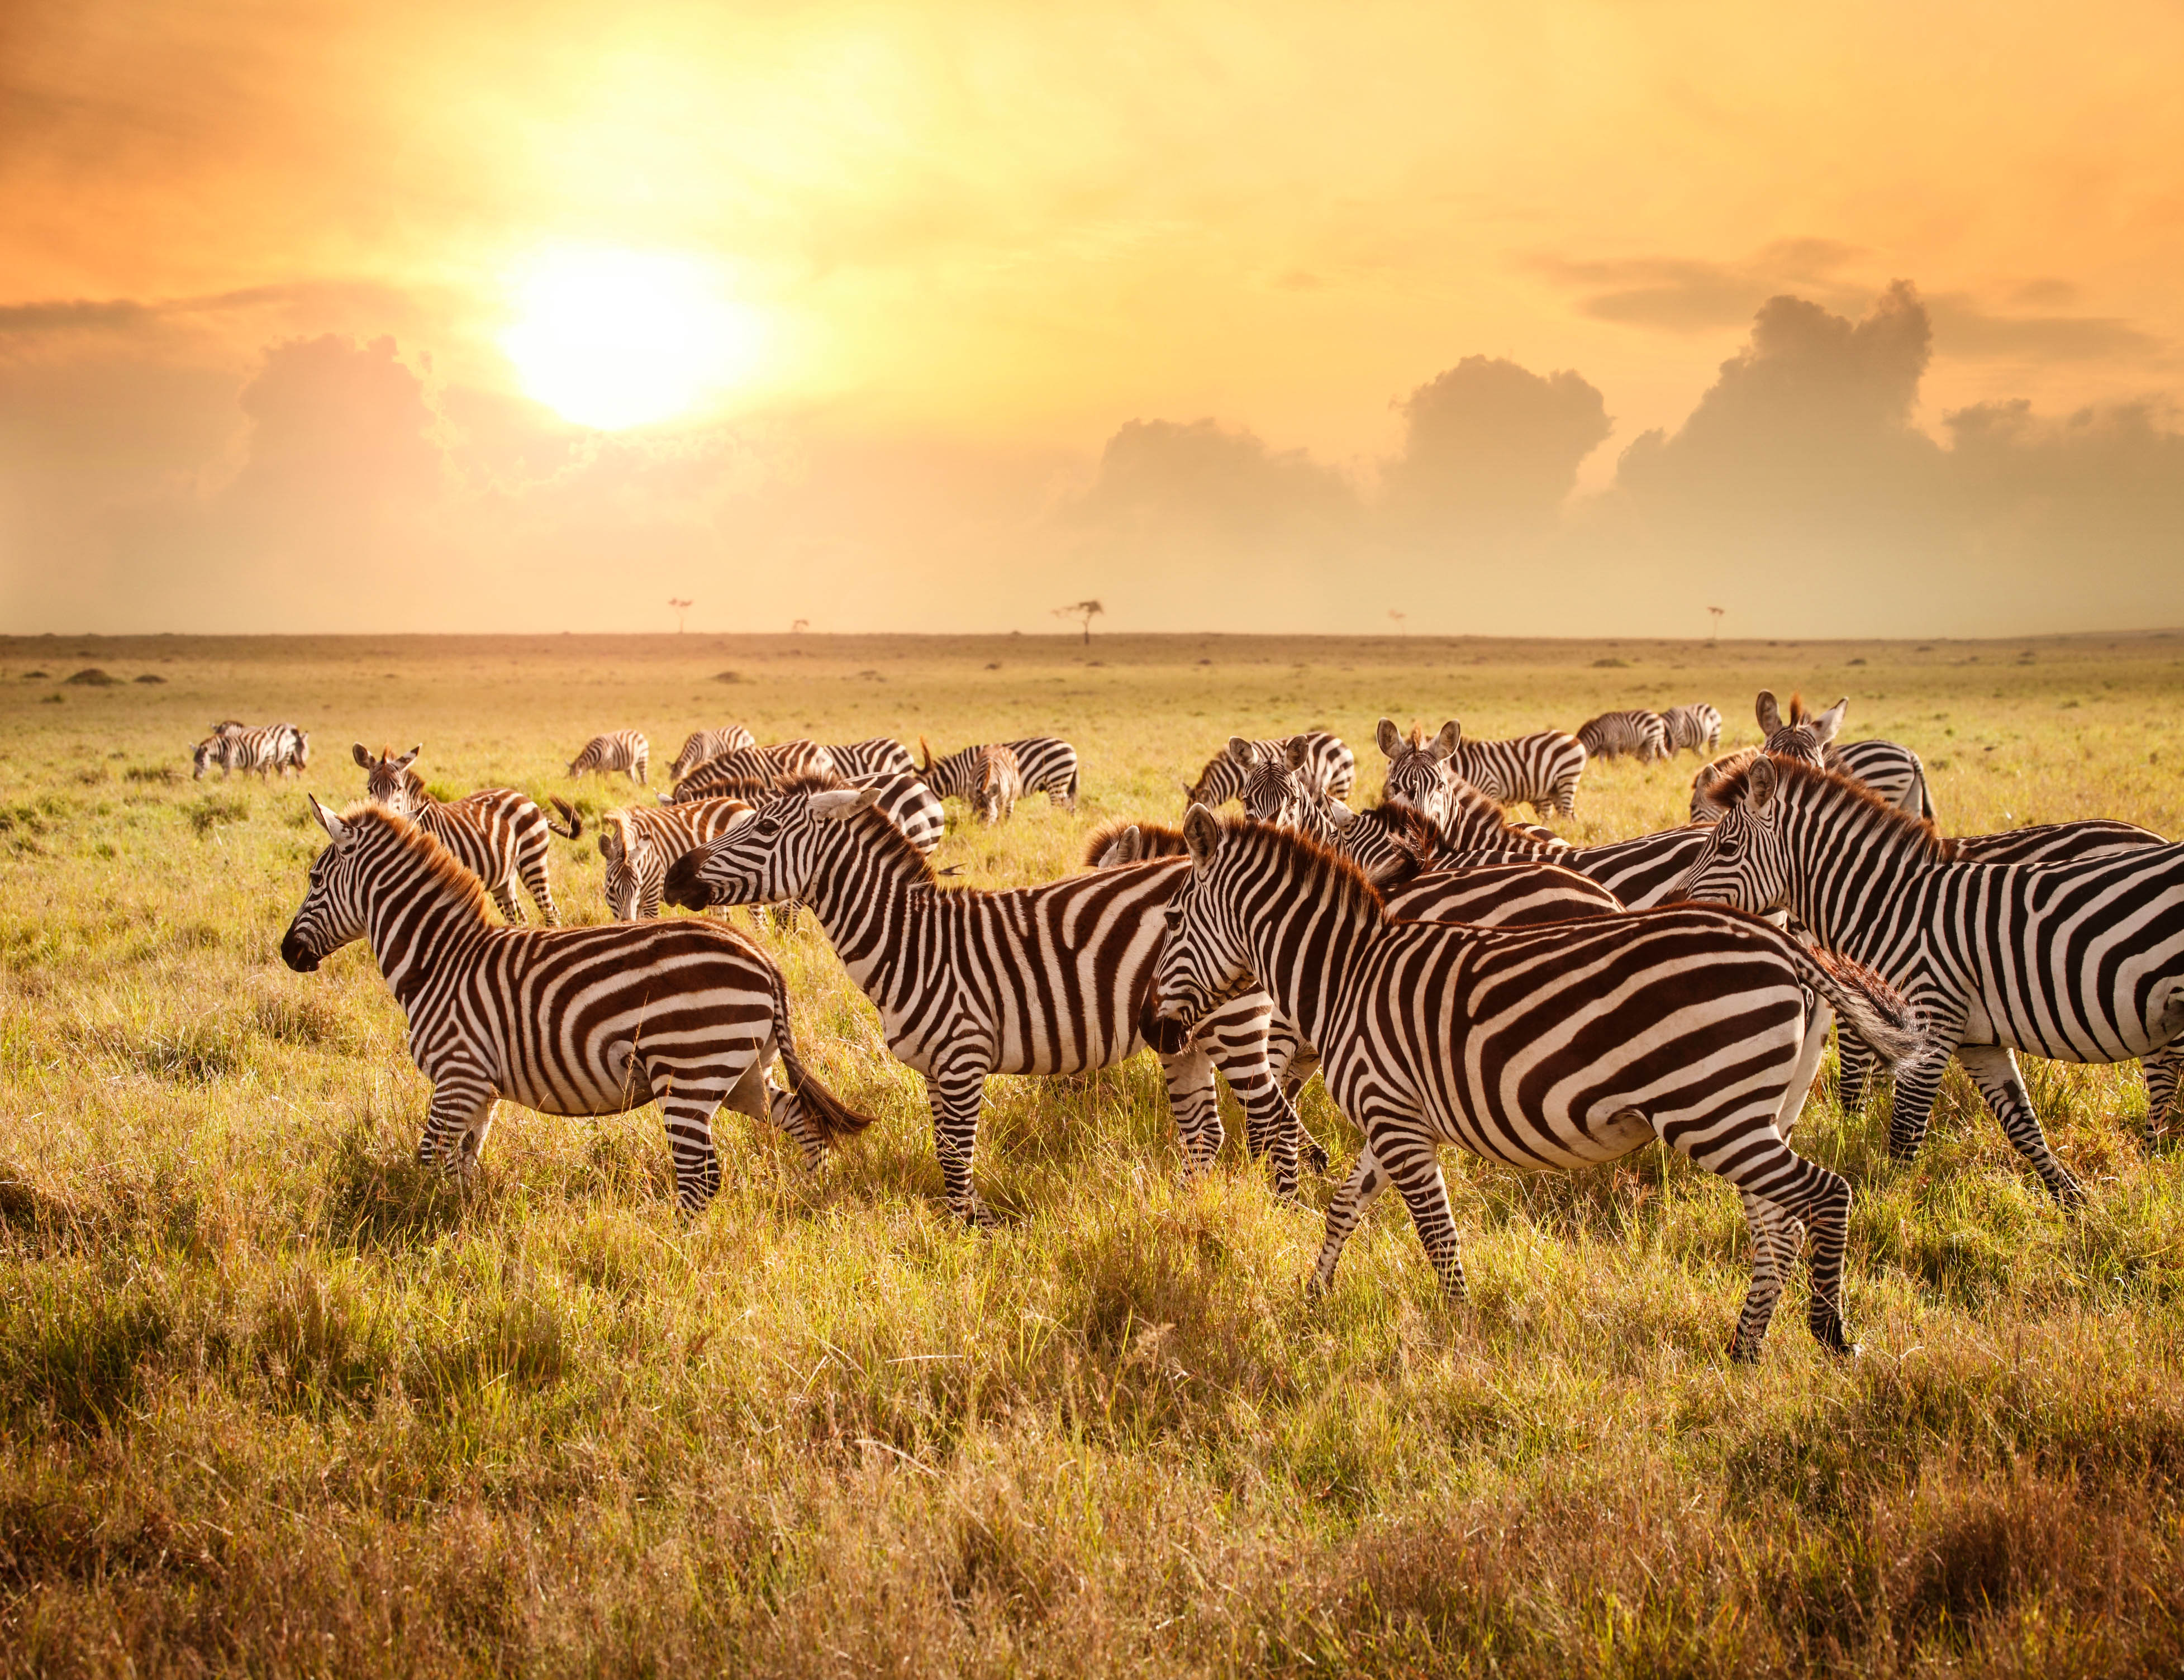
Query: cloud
point(1687, 295)
point(1489, 444)
point(1963, 328)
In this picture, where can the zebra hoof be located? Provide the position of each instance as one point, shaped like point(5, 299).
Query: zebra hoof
point(1315, 1159)
point(1743, 1351)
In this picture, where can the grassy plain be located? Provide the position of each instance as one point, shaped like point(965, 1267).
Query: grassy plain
point(272, 1400)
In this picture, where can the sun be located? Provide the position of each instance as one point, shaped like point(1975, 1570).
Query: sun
point(611, 338)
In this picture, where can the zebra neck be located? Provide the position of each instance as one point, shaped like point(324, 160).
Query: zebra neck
point(867, 901)
point(417, 921)
point(1302, 955)
point(1848, 874)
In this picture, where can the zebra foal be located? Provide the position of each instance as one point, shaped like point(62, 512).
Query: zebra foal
point(1563, 1046)
point(498, 834)
point(1048, 763)
point(578, 1021)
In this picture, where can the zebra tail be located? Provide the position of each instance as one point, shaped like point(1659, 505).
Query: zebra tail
point(835, 1118)
point(569, 812)
point(1880, 1014)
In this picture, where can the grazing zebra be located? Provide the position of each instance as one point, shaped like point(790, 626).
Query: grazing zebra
point(737, 773)
point(1563, 1046)
point(619, 749)
point(882, 755)
point(639, 842)
point(579, 1020)
point(1051, 979)
point(2080, 962)
point(233, 746)
point(1697, 727)
point(1892, 771)
point(1331, 767)
point(998, 785)
point(496, 833)
point(704, 744)
point(1541, 770)
point(1640, 734)
point(1048, 766)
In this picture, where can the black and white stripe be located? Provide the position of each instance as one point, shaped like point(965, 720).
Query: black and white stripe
point(498, 834)
point(1697, 727)
point(619, 749)
point(1563, 1046)
point(1892, 771)
point(882, 755)
point(1328, 765)
point(1638, 734)
point(1049, 765)
point(233, 746)
point(704, 744)
point(1051, 979)
point(2080, 962)
point(745, 770)
point(997, 784)
point(584, 1020)
point(642, 842)
point(1541, 770)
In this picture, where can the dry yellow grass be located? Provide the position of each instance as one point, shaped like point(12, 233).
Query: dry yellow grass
point(271, 1399)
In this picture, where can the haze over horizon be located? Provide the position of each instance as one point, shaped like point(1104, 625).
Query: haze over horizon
point(1517, 320)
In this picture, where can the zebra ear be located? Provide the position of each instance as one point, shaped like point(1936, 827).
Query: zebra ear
point(1767, 712)
point(363, 758)
point(1830, 722)
point(926, 767)
point(1189, 795)
point(1339, 813)
point(1241, 751)
point(1126, 847)
point(410, 757)
point(1761, 782)
point(336, 830)
point(1297, 753)
point(1201, 835)
point(1444, 744)
point(1388, 738)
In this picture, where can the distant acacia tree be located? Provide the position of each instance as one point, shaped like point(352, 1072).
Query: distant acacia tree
point(1085, 612)
point(798, 627)
point(1716, 636)
point(1398, 616)
point(680, 608)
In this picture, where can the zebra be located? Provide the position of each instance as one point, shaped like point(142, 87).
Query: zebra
point(1697, 727)
point(1331, 767)
point(618, 749)
point(1540, 770)
point(1640, 733)
point(882, 755)
point(582, 1021)
point(704, 744)
point(999, 784)
point(640, 842)
point(1893, 771)
point(1049, 765)
point(1049, 979)
point(739, 772)
point(2079, 961)
point(497, 833)
point(233, 746)
point(1418, 773)
point(1562, 1046)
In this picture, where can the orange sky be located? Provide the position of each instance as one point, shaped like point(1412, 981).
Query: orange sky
point(978, 241)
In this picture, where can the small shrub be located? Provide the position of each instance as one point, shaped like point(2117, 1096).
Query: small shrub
point(1611, 663)
point(728, 676)
point(90, 677)
point(150, 676)
point(34, 675)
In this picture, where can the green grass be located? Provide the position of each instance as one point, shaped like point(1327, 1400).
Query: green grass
point(273, 1399)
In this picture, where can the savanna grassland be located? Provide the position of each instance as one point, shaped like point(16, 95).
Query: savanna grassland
point(273, 1399)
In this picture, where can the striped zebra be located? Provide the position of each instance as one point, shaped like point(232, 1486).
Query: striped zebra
point(578, 1021)
point(997, 784)
point(1051, 979)
point(737, 773)
point(1540, 770)
point(233, 746)
point(2080, 962)
point(618, 749)
point(1893, 771)
point(1049, 765)
point(1697, 727)
point(498, 834)
point(1563, 1046)
point(1330, 766)
point(882, 755)
point(640, 842)
point(1638, 734)
point(704, 744)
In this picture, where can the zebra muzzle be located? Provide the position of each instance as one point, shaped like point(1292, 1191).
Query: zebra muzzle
point(298, 955)
point(684, 887)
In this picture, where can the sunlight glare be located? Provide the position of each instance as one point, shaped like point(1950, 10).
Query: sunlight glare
point(610, 339)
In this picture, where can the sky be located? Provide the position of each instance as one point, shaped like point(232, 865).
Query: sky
point(1524, 317)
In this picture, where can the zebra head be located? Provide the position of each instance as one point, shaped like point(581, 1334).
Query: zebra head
point(1284, 789)
point(1747, 861)
point(389, 781)
point(1418, 773)
point(1801, 735)
point(632, 864)
point(333, 909)
point(1206, 957)
point(209, 751)
point(771, 857)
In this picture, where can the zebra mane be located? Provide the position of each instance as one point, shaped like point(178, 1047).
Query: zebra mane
point(1796, 716)
point(1400, 823)
point(440, 865)
point(1325, 870)
point(809, 781)
point(1737, 783)
point(1160, 840)
point(877, 828)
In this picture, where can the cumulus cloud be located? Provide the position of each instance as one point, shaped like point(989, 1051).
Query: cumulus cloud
point(1687, 295)
point(1491, 445)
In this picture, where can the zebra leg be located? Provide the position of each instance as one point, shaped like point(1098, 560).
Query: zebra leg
point(533, 870)
point(2161, 1069)
point(957, 1090)
point(1237, 1036)
point(688, 1113)
point(1776, 1237)
point(503, 894)
point(1917, 1083)
point(1854, 1067)
point(1994, 1070)
point(1196, 1107)
point(1293, 1062)
point(1766, 1170)
point(455, 1127)
point(1406, 1151)
point(1366, 1181)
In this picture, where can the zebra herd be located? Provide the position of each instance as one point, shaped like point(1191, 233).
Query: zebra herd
point(1452, 974)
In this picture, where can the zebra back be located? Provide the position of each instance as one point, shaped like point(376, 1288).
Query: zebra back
point(621, 750)
point(1638, 733)
point(1541, 770)
point(1697, 725)
point(881, 755)
point(704, 744)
